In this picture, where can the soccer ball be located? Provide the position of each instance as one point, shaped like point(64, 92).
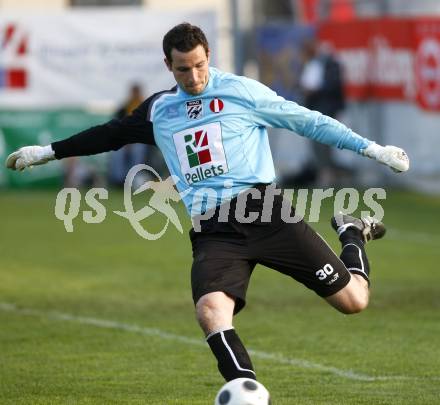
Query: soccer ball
point(243, 391)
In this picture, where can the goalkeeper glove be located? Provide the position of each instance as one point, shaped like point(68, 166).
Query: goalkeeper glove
point(391, 156)
point(29, 156)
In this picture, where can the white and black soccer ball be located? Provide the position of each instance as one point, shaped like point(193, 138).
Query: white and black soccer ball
point(243, 391)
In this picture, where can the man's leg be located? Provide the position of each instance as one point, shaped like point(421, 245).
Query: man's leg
point(353, 234)
point(353, 298)
point(296, 250)
point(214, 313)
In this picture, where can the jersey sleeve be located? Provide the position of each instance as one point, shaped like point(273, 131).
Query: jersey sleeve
point(271, 110)
point(113, 135)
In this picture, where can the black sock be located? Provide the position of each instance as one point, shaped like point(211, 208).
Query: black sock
point(232, 357)
point(353, 253)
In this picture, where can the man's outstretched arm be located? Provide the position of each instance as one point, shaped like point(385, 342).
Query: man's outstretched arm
point(269, 109)
point(102, 138)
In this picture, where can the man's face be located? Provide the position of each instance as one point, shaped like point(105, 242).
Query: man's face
point(190, 69)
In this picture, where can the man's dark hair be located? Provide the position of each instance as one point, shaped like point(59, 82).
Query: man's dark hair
point(184, 37)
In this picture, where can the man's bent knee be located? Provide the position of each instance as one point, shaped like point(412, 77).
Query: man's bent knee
point(354, 305)
point(215, 311)
point(353, 298)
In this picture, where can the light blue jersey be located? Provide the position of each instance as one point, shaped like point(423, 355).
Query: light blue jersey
point(216, 143)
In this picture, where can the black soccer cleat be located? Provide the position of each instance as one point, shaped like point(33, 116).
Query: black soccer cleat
point(370, 227)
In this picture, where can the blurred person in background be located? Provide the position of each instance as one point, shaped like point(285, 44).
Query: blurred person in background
point(122, 160)
point(322, 87)
point(211, 128)
point(79, 173)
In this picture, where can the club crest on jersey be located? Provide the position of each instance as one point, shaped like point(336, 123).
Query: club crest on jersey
point(216, 105)
point(194, 109)
point(201, 153)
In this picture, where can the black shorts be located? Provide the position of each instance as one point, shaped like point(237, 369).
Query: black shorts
point(225, 254)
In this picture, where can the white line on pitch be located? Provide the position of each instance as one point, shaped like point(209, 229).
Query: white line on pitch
point(277, 358)
point(411, 236)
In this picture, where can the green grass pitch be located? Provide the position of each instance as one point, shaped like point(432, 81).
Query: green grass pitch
point(102, 316)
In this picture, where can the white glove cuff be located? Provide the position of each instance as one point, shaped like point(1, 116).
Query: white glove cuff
point(47, 152)
point(373, 150)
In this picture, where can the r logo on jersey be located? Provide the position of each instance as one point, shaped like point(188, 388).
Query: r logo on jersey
point(216, 105)
point(201, 153)
point(194, 109)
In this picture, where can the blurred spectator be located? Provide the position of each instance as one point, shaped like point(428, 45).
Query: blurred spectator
point(79, 173)
point(323, 90)
point(124, 159)
point(321, 80)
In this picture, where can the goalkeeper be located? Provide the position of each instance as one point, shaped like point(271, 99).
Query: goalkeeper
point(211, 129)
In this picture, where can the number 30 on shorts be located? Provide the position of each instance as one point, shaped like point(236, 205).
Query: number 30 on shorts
point(323, 273)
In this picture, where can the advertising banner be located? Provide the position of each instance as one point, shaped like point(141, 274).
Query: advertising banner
point(21, 128)
point(390, 59)
point(76, 57)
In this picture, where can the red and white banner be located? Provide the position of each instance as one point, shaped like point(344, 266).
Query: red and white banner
point(394, 59)
point(77, 57)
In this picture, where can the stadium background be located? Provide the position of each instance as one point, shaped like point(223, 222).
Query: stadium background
point(66, 65)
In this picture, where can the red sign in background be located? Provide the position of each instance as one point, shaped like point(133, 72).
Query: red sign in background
point(393, 59)
point(13, 77)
